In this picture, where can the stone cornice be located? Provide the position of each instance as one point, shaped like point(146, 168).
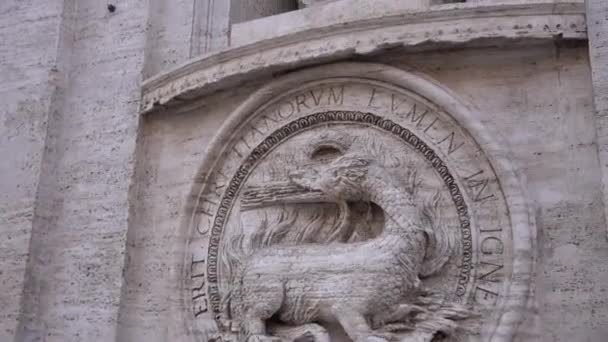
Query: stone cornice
point(461, 25)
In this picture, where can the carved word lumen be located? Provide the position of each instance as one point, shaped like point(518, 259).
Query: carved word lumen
point(422, 117)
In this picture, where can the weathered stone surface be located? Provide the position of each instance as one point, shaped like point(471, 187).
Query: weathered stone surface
point(210, 27)
point(366, 35)
point(110, 211)
point(30, 80)
point(504, 86)
point(172, 33)
point(569, 212)
point(80, 174)
point(395, 150)
point(597, 17)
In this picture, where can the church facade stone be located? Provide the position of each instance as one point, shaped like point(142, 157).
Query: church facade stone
point(342, 170)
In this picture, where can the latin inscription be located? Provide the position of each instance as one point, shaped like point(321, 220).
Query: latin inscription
point(418, 115)
point(209, 201)
point(490, 268)
point(284, 110)
point(452, 146)
point(487, 268)
point(479, 186)
point(200, 303)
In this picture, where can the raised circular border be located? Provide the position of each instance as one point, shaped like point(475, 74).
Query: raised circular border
point(312, 120)
point(522, 221)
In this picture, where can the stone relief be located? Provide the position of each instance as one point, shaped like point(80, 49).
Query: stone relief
point(350, 211)
point(336, 280)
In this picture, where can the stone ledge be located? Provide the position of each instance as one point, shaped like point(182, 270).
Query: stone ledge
point(338, 15)
point(412, 31)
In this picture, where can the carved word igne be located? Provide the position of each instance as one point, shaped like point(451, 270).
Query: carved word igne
point(493, 269)
point(490, 266)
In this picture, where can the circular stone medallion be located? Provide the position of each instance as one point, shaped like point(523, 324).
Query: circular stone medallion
point(428, 144)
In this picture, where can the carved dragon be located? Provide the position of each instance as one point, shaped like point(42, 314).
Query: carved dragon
point(359, 285)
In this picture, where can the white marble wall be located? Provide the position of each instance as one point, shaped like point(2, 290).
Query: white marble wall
point(597, 23)
point(32, 75)
point(540, 98)
point(91, 191)
point(75, 72)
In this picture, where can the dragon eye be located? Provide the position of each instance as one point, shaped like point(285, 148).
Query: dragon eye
point(326, 152)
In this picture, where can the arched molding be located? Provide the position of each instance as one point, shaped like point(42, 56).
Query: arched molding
point(282, 49)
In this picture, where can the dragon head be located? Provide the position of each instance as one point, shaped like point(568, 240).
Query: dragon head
point(344, 178)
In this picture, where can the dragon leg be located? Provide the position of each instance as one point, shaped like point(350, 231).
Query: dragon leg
point(257, 310)
point(400, 314)
point(310, 332)
point(356, 327)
